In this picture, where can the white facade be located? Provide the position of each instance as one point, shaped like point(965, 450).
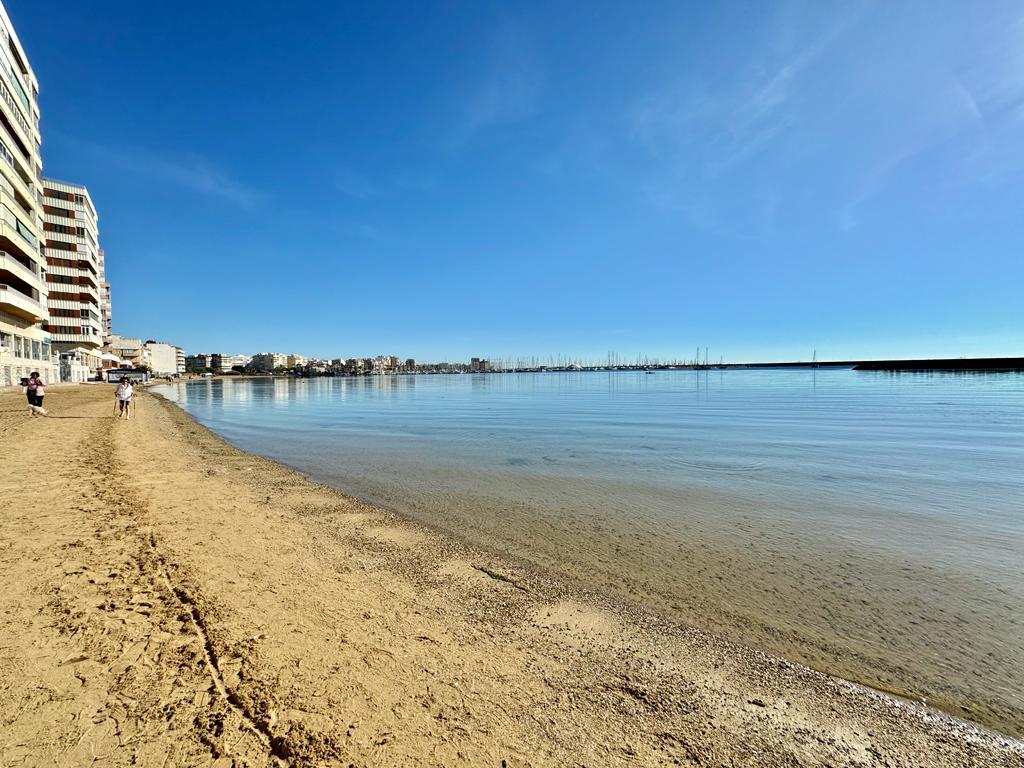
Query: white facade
point(74, 273)
point(79, 364)
point(24, 345)
point(162, 359)
point(106, 312)
point(268, 361)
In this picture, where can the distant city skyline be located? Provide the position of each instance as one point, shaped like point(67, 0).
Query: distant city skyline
point(503, 180)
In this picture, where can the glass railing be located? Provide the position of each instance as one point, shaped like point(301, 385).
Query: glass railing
point(7, 96)
point(19, 226)
point(20, 91)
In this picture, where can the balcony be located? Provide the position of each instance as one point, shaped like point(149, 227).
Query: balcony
point(10, 264)
point(14, 109)
point(15, 234)
point(79, 339)
point(16, 303)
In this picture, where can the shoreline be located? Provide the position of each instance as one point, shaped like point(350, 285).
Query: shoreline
point(305, 627)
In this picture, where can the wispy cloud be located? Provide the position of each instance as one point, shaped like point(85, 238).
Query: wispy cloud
point(509, 85)
point(973, 104)
point(187, 170)
point(363, 188)
point(731, 123)
point(702, 131)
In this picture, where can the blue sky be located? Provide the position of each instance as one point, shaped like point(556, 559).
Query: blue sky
point(449, 179)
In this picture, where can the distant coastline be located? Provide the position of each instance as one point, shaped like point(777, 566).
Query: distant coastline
point(962, 364)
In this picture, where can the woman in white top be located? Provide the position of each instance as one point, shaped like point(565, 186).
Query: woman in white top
point(123, 396)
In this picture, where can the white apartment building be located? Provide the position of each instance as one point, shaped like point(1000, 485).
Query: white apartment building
point(162, 359)
point(74, 275)
point(24, 345)
point(106, 313)
point(219, 361)
point(268, 361)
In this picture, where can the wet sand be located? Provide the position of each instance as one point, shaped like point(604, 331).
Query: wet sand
point(896, 623)
point(171, 600)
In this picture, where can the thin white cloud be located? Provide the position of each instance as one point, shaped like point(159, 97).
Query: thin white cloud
point(728, 125)
point(186, 170)
point(363, 188)
point(510, 85)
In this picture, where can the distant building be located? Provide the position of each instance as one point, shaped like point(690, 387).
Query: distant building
point(219, 361)
point(106, 309)
point(295, 361)
point(128, 350)
point(160, 358)
point(197, 363)
point(265, 362)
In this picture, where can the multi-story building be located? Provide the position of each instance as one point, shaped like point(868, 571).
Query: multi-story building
point(265, 362)
point(24, 345)
point(128, 351)
point(223, 362)
point(160, 358)
point(197, 363)
point(73, 273)
point(106, 310)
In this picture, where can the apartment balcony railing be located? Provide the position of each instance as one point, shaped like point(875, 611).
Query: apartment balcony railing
point(15, 267)
point(19, 118)
point(8, 215)
point(17, 303)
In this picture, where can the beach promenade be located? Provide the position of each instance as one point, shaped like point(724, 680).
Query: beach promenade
point(170, 600)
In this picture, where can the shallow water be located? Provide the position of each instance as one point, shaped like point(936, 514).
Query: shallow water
point(868, 524)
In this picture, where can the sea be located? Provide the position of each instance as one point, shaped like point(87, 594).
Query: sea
point(867, 524)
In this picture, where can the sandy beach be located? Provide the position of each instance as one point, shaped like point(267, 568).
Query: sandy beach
point(173, 601)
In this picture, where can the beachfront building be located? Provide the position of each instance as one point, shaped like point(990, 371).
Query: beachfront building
point(24, 345)
point(127, 350)
point(73, 273)
point(197, 363)
point(162, 359)
point(106, 310)
point(265, 362)
point(296, 361)
point(224, 363)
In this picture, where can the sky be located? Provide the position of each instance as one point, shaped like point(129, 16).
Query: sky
point(442, 180)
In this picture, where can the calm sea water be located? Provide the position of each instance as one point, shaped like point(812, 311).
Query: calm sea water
point(868, 524)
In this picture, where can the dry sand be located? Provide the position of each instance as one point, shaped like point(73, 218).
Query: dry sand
point(172, 601)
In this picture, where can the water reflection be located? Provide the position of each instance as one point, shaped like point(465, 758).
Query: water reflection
point(869, 523)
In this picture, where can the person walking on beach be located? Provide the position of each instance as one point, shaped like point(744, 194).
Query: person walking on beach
point(123, 396)
point(35, 391)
